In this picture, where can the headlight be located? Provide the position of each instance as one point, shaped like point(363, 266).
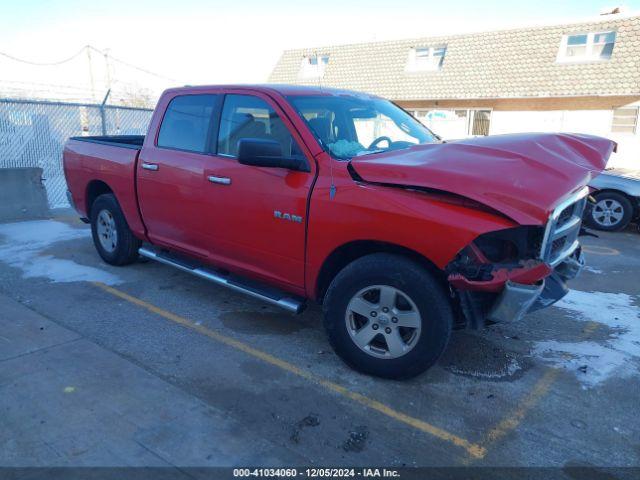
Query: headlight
point(512, 244)
point(505, 246)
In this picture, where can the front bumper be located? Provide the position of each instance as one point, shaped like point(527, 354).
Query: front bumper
point(516, 300)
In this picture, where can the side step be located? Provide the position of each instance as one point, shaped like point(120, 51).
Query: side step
point(265, 293)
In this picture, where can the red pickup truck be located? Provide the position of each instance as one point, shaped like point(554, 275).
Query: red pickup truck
point(294, 193)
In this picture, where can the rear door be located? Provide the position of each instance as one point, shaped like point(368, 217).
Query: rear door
point(259, 214)
point(171, 173)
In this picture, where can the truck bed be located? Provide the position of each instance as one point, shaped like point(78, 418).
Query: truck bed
point(125, 141)
point(94, 163)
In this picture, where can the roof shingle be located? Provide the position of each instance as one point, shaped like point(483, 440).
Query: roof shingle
point(501, 64)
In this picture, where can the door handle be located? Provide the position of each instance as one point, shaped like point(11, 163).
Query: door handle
point(150, 166)
point(220, 180)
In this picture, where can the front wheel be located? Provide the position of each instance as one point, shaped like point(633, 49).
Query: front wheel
point(387, 316)
point(112, 236)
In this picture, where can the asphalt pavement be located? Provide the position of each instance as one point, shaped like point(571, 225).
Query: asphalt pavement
point(148, 366)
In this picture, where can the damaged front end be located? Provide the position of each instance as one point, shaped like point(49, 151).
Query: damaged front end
point(505, 274)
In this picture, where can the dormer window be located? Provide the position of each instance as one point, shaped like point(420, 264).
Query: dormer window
point(423, 59)
point(313, 66)
point(586, 47)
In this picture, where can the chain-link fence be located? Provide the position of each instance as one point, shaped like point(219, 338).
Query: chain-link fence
point(32, 134)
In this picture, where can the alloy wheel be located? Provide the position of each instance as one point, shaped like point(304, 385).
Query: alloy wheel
point(607, 212)
point(107, 231)
point(383, 321)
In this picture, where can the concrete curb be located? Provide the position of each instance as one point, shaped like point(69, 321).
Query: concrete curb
point(22, 194)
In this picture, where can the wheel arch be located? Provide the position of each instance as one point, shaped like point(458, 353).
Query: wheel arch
point(347, 253)
point(94, 189)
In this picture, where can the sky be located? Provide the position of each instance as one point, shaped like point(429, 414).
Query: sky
point(207, 42)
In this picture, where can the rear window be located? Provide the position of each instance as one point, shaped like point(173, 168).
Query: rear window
point(187, 124)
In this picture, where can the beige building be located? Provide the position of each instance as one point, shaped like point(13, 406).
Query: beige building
point(582, 77)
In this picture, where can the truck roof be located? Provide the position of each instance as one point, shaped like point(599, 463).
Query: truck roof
point(283, 89)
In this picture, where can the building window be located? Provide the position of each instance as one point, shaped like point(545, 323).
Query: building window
point(576, 46)
point(423, 59)
point(480, 123)
point(584, 47)
point(603, 44)
point(453, 124)
point(625, 120)
point(313, 66)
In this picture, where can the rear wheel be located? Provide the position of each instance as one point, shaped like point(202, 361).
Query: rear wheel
point(386, 315)
point(112, 236)
point(611, 212)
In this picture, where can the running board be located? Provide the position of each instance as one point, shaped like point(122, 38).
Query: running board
point(267, 294)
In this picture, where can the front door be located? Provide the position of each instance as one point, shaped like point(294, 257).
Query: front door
point(258, 214)
point(171, 174)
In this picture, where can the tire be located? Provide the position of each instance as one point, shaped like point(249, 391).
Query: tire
point(414, 290)
point(111, 234)
point(611, 212)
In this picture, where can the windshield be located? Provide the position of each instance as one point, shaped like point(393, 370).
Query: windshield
point(350, 126)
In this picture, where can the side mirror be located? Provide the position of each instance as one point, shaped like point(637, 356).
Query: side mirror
point(267, 153)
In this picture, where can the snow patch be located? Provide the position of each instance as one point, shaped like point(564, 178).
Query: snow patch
point(592, 269)
point(24, 243)
point(592, 362)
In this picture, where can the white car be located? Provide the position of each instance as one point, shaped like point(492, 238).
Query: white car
point(617, 200)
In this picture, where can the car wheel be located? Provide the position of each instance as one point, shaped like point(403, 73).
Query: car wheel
point(112, 236)
point(611, 212)
point(387, 316)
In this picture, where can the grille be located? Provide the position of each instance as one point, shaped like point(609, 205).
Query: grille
point(565, 216)
point(558, 245)
point(563, 228)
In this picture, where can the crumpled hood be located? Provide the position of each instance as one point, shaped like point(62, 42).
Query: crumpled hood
point(523, 176)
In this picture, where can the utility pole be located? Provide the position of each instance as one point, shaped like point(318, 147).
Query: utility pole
point(93, 87)
point(107, 68)
point(103, 113)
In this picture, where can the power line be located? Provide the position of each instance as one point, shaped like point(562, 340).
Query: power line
point(47, 85)
point(44, 64)
point(79, 52)
point(15, 84)
point(144, 70)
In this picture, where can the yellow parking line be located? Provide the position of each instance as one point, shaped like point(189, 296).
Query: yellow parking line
point(600, 250)
point(513, 420)
point(539, 391)
point(474, 450)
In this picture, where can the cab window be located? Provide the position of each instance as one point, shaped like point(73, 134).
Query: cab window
point(246, 116)
point(188, 124)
